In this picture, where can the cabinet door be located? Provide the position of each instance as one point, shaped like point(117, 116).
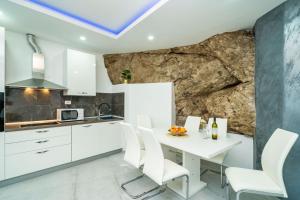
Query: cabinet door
point(2, 58)
point(80, 73)
point(86, 141)
point(24, 163)
point(29, 135)
point(112, 136)
point(1, 156)
point(94, 139)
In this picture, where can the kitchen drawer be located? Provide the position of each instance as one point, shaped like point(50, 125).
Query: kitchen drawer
point(21, 147)
point(24, 163)
point(19, 136)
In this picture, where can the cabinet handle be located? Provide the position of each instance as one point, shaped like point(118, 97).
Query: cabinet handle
point(44, 131)
point(42, 152)
point(86, 126)
point(42, 141)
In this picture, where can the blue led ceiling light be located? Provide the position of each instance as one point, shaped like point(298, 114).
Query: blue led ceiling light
point(115, 32)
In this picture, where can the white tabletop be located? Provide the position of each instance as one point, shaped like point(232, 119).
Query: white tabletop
point(195, 143)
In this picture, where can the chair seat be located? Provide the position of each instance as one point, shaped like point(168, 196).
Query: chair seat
point(173, 170)
point(251, 180)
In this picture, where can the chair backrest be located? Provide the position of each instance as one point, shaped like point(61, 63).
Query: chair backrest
point(154, 158)
point(222, 126)
point(144, 121)
point(275, 153)
point(133, 148)
point(192, 123)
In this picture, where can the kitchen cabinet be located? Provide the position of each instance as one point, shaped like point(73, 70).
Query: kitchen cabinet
point(33, 150)
point(2, 59)
point(94, 139)
point(32, 161)
point(80, 73)
point(1, 156)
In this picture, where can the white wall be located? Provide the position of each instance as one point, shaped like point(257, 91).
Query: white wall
point(153, 99)
point(19, 61)
point(241, 155)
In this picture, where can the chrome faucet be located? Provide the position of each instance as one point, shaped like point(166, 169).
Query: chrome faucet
point(104, 106)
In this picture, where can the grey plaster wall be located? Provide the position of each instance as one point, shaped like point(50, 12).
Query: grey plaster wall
point(278, 84)
point(291, 106)
point(268, 77)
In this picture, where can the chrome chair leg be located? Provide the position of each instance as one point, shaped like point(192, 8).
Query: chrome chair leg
point(222, 178)
point(138, 195)
point(162, 189)
point(187, 187)
point(227, 189)
point(238, 195)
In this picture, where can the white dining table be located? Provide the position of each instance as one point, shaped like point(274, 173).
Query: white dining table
point(195, 146)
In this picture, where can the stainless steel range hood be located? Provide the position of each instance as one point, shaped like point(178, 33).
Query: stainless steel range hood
point(38, 69)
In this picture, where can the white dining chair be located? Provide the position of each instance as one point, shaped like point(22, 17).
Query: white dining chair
point(269, 180)
point(192, 123)
point(219, 159)
point(144, 120)
point(133, 155)
point(156, 167)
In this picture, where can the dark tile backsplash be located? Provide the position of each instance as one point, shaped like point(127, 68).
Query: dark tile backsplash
point(33, 105)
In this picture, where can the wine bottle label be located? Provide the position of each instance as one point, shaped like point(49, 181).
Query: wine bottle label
point(214, 131)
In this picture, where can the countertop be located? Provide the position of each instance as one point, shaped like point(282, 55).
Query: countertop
point(11, 127)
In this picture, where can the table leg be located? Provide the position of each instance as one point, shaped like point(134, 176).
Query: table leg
point(191, 163)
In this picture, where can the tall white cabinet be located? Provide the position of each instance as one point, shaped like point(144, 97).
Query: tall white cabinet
point(80, 73)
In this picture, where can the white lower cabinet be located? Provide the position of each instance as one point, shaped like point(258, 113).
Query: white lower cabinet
point(33, 150)
point(94, 139)
point(20, 147)
point(1, 156)
point(24, 163)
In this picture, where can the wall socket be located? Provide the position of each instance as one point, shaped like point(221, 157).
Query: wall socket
point(68, 102)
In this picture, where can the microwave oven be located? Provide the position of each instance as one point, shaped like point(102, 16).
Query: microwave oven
point(69, 114)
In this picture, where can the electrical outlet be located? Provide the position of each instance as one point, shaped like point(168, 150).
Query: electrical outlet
point(68, 102)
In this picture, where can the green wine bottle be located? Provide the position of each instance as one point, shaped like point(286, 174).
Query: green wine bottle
point(214, 132)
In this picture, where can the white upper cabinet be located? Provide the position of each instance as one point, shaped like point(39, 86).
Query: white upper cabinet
point(80, 73)
point(2, 58)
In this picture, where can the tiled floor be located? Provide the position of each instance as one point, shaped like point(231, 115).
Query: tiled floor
point(100, 180)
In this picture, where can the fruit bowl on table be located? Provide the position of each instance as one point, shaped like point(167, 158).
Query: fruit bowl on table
point(177, 131)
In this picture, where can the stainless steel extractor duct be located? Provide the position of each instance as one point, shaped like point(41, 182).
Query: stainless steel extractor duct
point(38, 70)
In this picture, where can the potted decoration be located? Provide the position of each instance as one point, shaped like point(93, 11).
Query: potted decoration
point(126, 75)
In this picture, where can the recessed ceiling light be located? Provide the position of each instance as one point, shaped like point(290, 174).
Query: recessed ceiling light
point(1, 13)
point(82, 38)
point(150, 37)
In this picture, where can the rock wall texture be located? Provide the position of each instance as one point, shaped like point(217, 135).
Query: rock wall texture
point(212, 78)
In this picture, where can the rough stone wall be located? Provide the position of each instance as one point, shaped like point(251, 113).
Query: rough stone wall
point(212, 78)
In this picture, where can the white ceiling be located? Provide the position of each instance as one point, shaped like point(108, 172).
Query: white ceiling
point(178, 22)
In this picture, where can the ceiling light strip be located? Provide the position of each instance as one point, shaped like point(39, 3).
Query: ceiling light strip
point(73, 18)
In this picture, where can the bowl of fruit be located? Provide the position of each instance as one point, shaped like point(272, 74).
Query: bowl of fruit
point(177, 131)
